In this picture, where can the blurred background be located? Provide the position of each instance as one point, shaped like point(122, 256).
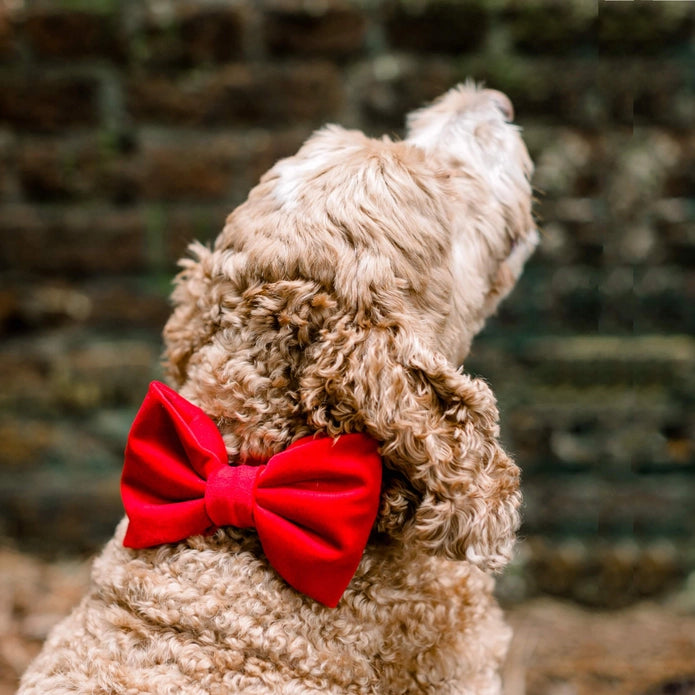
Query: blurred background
point(129, 129)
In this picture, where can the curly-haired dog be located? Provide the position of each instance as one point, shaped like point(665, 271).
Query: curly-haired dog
point(338, 299)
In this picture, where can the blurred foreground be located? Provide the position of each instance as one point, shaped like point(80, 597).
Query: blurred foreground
point(558, 649)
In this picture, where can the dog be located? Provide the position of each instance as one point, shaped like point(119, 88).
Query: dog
point(335, 306)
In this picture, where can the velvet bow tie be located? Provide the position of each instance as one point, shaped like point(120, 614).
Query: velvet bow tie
point(313, 504)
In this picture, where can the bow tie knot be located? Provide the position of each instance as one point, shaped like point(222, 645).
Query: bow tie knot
point(225, 509)
point(313, 505)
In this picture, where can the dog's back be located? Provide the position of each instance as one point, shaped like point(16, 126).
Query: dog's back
point(207, 616)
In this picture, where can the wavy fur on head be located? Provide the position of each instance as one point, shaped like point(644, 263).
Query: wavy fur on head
point(340, 297)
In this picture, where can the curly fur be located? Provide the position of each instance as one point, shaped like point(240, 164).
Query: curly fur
point(338, 298)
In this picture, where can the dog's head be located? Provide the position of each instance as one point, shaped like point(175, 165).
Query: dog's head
point(469, 130)
point(343, 293)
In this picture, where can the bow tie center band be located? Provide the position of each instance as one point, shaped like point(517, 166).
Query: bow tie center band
point(313, 505)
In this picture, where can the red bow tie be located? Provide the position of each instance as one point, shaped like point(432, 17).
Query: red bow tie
point(313, 505)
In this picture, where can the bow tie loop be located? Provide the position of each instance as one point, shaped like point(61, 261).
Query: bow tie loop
point(313, 504)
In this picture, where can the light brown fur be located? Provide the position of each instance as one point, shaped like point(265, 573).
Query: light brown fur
point(338, 298)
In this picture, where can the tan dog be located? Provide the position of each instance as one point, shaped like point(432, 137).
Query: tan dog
point(338, 298)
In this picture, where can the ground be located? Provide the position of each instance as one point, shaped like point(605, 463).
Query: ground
point(558, 648)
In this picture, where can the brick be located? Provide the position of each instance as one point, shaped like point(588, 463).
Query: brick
point(570, 242)
point(54, 169)
point(193, 36)
point(674, 223)
point(568, 164)
point(647, 508)
point(585, 298)
point(74, 370)
point(34, 303)
point(26, 442)
point(158, 99)
point(63, 169)
point(553, 28)
point(48, 104)
point(212, 35)
point(197, 169)
point(604, 572)
point(641, 29)
point(9, 308)
point(24, 375)
point(125, 302)
point(105, 372)
point(8, 37)
point(531, 299)
point(625, 445)
point(672, 211)
point(83, 511)
point(567, 504)
point(575, 299)
point(331, 32)
point(616, 80)
point(392, 85)
point(40, 172)
point(72, 240)
point(580, 221)
point(679, 242)
point(630, 192)
point(588, 360)
point(63, 34)
point(172, 227)
point(585, 505)
point(440, 26)
point(678, 432)
point(119, 180)
point(158, 45)
point(680, 179)
point(296, 93)
point(187, 223)
point(8, 149)
point(663, 94)
point(556, 568)
point(562, 90)
point(240, 95)
point(666, 299)
point(636, 243)
point(596, 412)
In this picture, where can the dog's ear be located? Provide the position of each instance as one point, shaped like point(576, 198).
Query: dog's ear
point(448, 485)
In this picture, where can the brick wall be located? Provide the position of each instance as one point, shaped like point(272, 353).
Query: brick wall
point(127, 129)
